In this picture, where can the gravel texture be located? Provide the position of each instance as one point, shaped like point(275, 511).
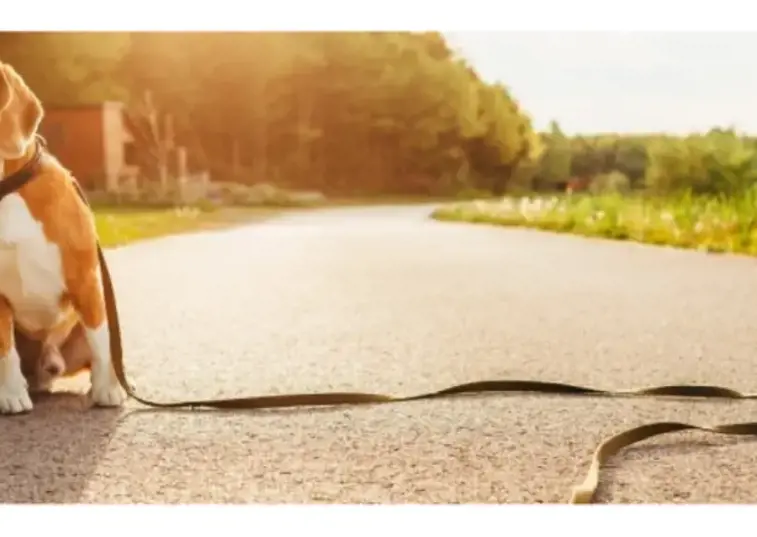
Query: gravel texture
point(385, 299)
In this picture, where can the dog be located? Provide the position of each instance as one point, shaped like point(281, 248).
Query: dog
point(43, 362)
point(50, 277)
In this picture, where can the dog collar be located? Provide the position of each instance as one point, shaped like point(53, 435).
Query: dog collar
point(11, 183)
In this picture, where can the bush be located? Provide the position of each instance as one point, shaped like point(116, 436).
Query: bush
point(263, 194)
point(719, 162)
point(473, 193)
point(610, 183)
point(710, 223)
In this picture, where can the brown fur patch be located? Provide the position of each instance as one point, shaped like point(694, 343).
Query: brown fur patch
point(76, 352)
point(6, 327)
point(66, 221)
point(62, 330)
point(6, 89)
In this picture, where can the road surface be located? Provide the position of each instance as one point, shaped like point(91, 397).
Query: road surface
point(385, 299)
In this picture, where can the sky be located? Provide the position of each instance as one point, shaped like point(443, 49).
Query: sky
point(643, 82)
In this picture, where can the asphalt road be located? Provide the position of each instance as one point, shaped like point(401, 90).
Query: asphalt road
point(384, 299)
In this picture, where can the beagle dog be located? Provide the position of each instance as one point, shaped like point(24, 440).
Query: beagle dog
point(50, 279)
point(42, 363)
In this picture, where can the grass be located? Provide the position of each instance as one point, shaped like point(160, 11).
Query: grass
point(117, 226)
point(712, 224)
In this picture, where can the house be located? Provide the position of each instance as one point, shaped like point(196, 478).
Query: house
point(93, 142)
point(112, 150)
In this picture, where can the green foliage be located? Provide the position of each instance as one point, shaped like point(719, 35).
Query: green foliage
point(555, 164)
point(718, 162)
point(340, 112)
point(707, 223)
point(698, 191)
point(360, 113)
point(68, 68)
point(615, 182)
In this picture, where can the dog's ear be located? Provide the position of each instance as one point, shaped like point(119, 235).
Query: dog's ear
point(21, 113)
point(6, 91)
point(29, 107)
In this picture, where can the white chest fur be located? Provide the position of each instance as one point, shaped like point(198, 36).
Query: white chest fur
point(31, 267)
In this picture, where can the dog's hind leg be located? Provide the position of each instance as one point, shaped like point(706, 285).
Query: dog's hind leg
point(14, 391)
point(89, 304)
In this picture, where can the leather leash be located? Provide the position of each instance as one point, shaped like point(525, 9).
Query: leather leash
point(581, 494)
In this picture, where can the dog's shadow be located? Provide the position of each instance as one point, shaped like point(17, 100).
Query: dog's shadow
point(51, 454)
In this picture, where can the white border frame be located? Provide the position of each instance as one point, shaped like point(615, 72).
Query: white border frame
point(470, 15)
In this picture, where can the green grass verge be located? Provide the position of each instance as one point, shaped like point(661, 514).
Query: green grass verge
point(117, 226)
point(704, 223)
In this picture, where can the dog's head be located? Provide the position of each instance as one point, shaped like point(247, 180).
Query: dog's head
point(49, 366)
point(43, 363)
point(20, 114)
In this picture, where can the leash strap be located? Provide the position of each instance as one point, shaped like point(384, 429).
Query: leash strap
point(581, 494)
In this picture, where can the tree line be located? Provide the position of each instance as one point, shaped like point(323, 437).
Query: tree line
point(360, 113)
point(357, 112)
point(718, 162)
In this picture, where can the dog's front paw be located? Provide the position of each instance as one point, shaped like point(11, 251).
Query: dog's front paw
point(14, 398)
point(108, 394)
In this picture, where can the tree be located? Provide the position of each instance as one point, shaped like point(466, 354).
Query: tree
point(66, 67)
point(349, 112)
point(555, 165)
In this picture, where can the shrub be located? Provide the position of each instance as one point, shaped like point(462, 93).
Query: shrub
point(711, 223)
point(719, 162)
point(610, 183)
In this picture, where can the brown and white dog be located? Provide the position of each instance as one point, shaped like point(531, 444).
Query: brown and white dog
point(49, 271)
point(43, 363)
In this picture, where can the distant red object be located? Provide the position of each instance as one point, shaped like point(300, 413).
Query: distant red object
point(577, 184)
point(90, 140)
